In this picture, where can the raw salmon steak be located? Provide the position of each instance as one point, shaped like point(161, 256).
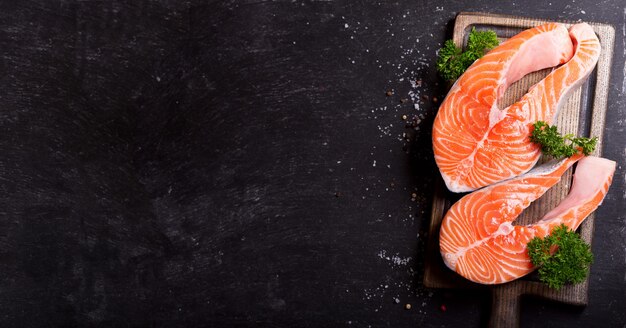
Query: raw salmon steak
point(476, 143)
point(478, 239)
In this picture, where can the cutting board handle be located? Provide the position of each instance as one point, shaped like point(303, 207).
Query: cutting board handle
point(505, 308)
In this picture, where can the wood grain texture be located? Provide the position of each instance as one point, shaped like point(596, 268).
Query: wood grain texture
point(583, 114)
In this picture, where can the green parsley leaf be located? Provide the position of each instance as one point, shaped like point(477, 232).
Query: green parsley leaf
point(452, 61)
point(479, 42)
point(562, 257)
point(449, 63)
point(554, 144)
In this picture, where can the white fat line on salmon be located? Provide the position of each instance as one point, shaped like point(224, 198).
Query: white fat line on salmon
point(543, 169)
point(495, 116)
point(504, 229)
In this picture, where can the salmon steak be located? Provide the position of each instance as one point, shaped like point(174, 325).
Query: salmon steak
point(475, 142)
point(478, 239)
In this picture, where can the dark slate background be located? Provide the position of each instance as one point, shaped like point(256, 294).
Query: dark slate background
point(237, 163)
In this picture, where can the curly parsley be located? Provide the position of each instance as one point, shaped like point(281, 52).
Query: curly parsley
point(556, 145)
point(562, 257)
point(452, 61)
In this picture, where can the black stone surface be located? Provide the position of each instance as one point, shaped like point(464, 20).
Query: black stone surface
point(238, 163)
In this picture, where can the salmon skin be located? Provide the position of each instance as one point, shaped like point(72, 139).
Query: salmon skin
point(478, 239)
point(476, 143)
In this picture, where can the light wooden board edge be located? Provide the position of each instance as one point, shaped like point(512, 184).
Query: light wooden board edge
point(573, 294)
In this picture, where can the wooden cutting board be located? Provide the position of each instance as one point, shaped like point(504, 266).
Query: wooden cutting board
point(583, 114)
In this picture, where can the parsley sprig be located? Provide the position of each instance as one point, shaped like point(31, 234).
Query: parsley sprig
point(453, 61)
point(556, 145)
point(562, 257)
